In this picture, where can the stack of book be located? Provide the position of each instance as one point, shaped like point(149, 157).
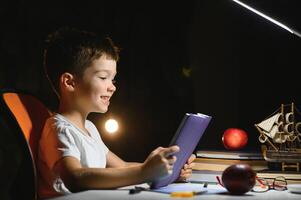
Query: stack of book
point(219, 160)
point(210, 164)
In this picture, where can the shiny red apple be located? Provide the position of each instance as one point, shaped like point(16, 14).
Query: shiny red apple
point(239, 178)
point(235, 138)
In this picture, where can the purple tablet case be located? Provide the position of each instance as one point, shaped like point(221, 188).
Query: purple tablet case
point(187, 137)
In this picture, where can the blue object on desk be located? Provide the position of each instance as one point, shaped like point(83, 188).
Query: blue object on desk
point(181, 187)
point(187, 137)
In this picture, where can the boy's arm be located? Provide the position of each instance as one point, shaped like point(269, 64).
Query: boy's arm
point(76, 177)
point(114, 161)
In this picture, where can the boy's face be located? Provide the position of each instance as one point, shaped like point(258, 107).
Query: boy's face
point(96, 86)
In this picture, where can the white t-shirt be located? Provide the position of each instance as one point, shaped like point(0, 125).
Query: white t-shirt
point(61, 138)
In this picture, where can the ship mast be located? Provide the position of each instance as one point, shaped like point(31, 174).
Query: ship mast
point(282, 131)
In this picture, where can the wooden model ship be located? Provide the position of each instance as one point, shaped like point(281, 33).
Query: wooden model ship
point(280, 135)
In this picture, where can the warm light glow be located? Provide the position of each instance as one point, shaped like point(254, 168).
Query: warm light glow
point(111, 126)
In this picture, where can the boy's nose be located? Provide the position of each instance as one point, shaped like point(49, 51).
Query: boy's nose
point(112, 88)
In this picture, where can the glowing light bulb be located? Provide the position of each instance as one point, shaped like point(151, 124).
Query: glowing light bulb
point(111, 126)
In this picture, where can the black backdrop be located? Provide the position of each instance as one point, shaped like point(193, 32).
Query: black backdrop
point(206, 56)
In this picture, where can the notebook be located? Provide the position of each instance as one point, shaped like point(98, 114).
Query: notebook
point(187, 136)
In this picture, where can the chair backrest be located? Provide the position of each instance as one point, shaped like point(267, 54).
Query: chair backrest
point(30, 115)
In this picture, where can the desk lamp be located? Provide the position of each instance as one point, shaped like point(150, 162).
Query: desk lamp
point(268, 18)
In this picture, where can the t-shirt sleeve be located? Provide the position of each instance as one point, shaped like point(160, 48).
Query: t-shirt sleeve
point(67, 145)
point(58, 144)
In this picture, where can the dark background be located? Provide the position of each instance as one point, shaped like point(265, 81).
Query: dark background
point(206, 56)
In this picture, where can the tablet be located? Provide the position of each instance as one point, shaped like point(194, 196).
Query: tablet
point(187, 137)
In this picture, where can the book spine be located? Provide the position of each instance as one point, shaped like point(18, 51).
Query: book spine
point(222, 164)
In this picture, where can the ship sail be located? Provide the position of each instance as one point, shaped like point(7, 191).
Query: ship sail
point(280, 137)
point(273, 128)
point(289, 126)
point(267, 124)
point(273, 132)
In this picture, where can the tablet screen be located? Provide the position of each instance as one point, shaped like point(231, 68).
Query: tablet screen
point(187, 137)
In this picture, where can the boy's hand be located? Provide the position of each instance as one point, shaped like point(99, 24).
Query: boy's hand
point(186, 171)
point(159, 163)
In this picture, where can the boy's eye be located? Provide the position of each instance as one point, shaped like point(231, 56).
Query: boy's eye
point(104, 78)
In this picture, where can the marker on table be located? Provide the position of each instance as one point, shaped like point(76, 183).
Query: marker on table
point(136, 190)
point(182, 194)
point(186, 194)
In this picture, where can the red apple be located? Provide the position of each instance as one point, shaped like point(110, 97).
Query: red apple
point(235, 138)
point(239, 178)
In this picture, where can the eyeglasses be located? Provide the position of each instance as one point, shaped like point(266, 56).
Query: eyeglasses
point(262, 185)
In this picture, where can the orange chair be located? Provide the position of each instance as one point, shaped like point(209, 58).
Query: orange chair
point(29, 116)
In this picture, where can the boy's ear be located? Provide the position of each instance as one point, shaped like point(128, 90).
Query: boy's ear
point(67, 81)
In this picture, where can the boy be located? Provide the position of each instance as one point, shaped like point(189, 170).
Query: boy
point(72, 156)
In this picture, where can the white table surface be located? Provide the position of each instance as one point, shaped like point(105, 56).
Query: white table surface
point(123, 193)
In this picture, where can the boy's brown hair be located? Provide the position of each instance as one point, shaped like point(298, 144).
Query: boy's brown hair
point(72, 50)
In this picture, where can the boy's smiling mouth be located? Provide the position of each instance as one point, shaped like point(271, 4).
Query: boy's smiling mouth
point(105, 99)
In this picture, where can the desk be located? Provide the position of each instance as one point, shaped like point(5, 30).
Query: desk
point(123, 193)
